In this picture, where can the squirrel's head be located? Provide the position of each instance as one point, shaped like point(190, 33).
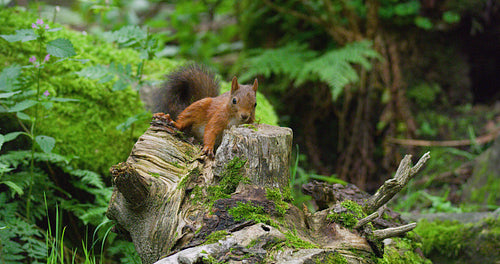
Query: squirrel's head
point(243, 100)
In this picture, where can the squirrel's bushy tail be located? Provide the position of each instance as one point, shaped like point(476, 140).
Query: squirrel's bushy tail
point(184, 86)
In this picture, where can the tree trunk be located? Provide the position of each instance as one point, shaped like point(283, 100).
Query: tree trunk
point(169, 200)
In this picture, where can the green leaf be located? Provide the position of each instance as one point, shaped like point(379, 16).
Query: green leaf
point(106, 78)
point(93, 72)
point(126, 36)
point(46, 143)
point(14, 187)
point(423, 22)
point(90, 178)
point(7, 95)
point(9, 78)
point(120, 85)
point(2, 140)
point(451, 17)
point(408, 8)
point(47, 105)
point(21, 35)
point(23, 116)
point(54, 29)
point(139, 117)
point(61, 99)
point(22, 105)
point(11, 136)
point(61, 48)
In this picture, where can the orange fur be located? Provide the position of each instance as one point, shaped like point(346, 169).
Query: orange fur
point(207, 118)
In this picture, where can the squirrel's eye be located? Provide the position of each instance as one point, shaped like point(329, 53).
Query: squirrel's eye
point(255, 105)
point(234, 100)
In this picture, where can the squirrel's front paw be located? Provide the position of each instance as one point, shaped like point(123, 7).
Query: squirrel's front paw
point(209, 151)
point(168, 118)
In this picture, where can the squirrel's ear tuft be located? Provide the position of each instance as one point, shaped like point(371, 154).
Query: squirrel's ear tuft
point(234, 85)
point(255, 85)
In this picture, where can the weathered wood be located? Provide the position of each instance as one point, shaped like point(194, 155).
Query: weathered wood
point(393, 231)
point(366, 220)
point(266, 148)
point(131, 184)
point(158, 160)
point(392, 186)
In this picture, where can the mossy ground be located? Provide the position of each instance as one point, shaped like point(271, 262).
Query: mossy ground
point(350, 217)
point(216, 236)
point(454, 242)
point(403, 250)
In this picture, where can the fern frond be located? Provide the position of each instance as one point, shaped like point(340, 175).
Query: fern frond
point(296, 61)
point(335, 67)
point(15, 158)
point(287, 60)
point(90, 178)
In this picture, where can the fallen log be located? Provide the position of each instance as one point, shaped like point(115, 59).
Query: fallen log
point(177, 206)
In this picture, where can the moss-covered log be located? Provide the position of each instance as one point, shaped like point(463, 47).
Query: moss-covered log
point(177, 206)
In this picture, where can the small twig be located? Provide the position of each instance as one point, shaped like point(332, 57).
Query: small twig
point(393, 231)
point(365, 220)
point(392, 186)
point(447, 143)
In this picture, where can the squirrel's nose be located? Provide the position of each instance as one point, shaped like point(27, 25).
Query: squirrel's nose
point(244, 117)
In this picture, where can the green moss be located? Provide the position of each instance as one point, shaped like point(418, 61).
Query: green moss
point(331, 258)
point(250, 126)
point(197, 195)
point(404, 250)
point(232, 176)
point(211, 260)
point(154, 174)
point(460, 243)
point(250, 212)
point(215, 237)
point(350, 217)
point(253, 243)
point(275, 195)
point(485, 182)
point(294, 241)
point(194, 173)
point(230, 179)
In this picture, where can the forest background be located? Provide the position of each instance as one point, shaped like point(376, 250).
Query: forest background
point(360, 83)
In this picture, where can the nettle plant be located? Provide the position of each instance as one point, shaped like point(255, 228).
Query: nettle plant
point(33, 179)
point(25, 103)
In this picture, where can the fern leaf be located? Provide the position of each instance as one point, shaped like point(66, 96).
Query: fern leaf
point(335, 67)
point(287, 60)
point(90, 178)
point(301, 64)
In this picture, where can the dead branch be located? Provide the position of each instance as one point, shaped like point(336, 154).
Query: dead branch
point(393, 231)
point(447, 143)
point(392, 186)
point(366, 220)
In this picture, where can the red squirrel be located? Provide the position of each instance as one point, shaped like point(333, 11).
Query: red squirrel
point(209, 114)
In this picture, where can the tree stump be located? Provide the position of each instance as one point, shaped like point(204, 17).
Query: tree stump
point(179, 207)
point(266, 148)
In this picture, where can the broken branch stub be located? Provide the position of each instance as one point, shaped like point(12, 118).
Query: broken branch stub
point(392, 186)
point(393, 231)
point(131, 184)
